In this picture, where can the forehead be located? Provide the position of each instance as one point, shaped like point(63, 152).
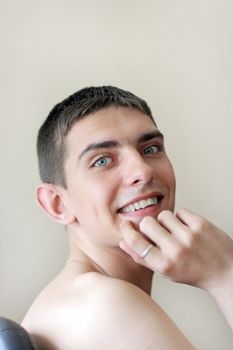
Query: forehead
point(120, 123)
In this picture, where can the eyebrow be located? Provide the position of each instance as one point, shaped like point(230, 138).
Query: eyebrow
point(113, 143)
point(150, 135)
point(98, 145)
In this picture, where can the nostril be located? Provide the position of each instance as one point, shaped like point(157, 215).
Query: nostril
point(137, 181)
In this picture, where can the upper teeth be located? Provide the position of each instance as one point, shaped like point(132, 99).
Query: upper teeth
point(139, 205)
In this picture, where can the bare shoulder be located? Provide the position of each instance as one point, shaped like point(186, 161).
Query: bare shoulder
point(99, 312)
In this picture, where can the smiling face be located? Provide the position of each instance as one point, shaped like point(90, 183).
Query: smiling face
point(116, 170)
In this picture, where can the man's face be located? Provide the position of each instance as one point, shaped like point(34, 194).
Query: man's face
point(116, 170)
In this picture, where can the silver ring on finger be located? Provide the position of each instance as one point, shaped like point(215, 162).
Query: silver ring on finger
point(146, 251)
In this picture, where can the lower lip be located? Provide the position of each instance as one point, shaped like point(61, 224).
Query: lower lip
point(151, 210)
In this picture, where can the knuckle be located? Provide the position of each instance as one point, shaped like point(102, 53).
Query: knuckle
point(199, 225)
point(178, 253)
point(192, 240)
point(181, 211)
point(169, 265)
point(166, 267)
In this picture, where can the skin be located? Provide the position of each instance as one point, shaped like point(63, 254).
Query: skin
point(101, 298)
point(187, 249)
point(95, 225)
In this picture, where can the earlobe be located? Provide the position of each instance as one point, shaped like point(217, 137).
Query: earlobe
point(51, 201)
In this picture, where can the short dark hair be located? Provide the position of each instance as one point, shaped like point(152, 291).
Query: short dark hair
point(51, 148)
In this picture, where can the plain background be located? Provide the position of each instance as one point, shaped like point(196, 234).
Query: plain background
point(178, 55)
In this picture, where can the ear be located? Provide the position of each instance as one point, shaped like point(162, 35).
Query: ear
point(49, 197)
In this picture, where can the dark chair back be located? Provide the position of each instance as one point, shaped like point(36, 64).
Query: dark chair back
point(14, 337)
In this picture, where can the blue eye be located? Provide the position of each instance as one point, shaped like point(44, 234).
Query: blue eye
point(101, 162)
point(151, 149)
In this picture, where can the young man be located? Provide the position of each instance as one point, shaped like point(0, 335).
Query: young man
point(107, 178)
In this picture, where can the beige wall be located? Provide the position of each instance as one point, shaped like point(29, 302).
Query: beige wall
point(175, 53)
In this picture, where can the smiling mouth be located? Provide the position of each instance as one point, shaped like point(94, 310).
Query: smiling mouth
point(144, 203)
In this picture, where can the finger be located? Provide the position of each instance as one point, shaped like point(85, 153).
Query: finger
point(135, 245)
point(134, 239)
point(156, 233)
point(123, 245)
point(189, 218)
point(173, 224)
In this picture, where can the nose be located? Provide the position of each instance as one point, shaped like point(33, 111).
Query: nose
point(136, 169)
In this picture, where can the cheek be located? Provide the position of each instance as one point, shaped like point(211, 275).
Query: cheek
point(93, 199)
point(171, 184)
point(172, 178)
point(168, 174)
point(103, 187)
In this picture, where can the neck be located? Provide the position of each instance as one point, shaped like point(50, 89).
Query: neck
point(112, 262)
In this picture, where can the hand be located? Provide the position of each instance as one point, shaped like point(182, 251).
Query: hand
point(187, 248)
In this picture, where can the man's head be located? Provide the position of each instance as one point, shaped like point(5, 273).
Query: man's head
point(51, 145)
point(112, 167)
